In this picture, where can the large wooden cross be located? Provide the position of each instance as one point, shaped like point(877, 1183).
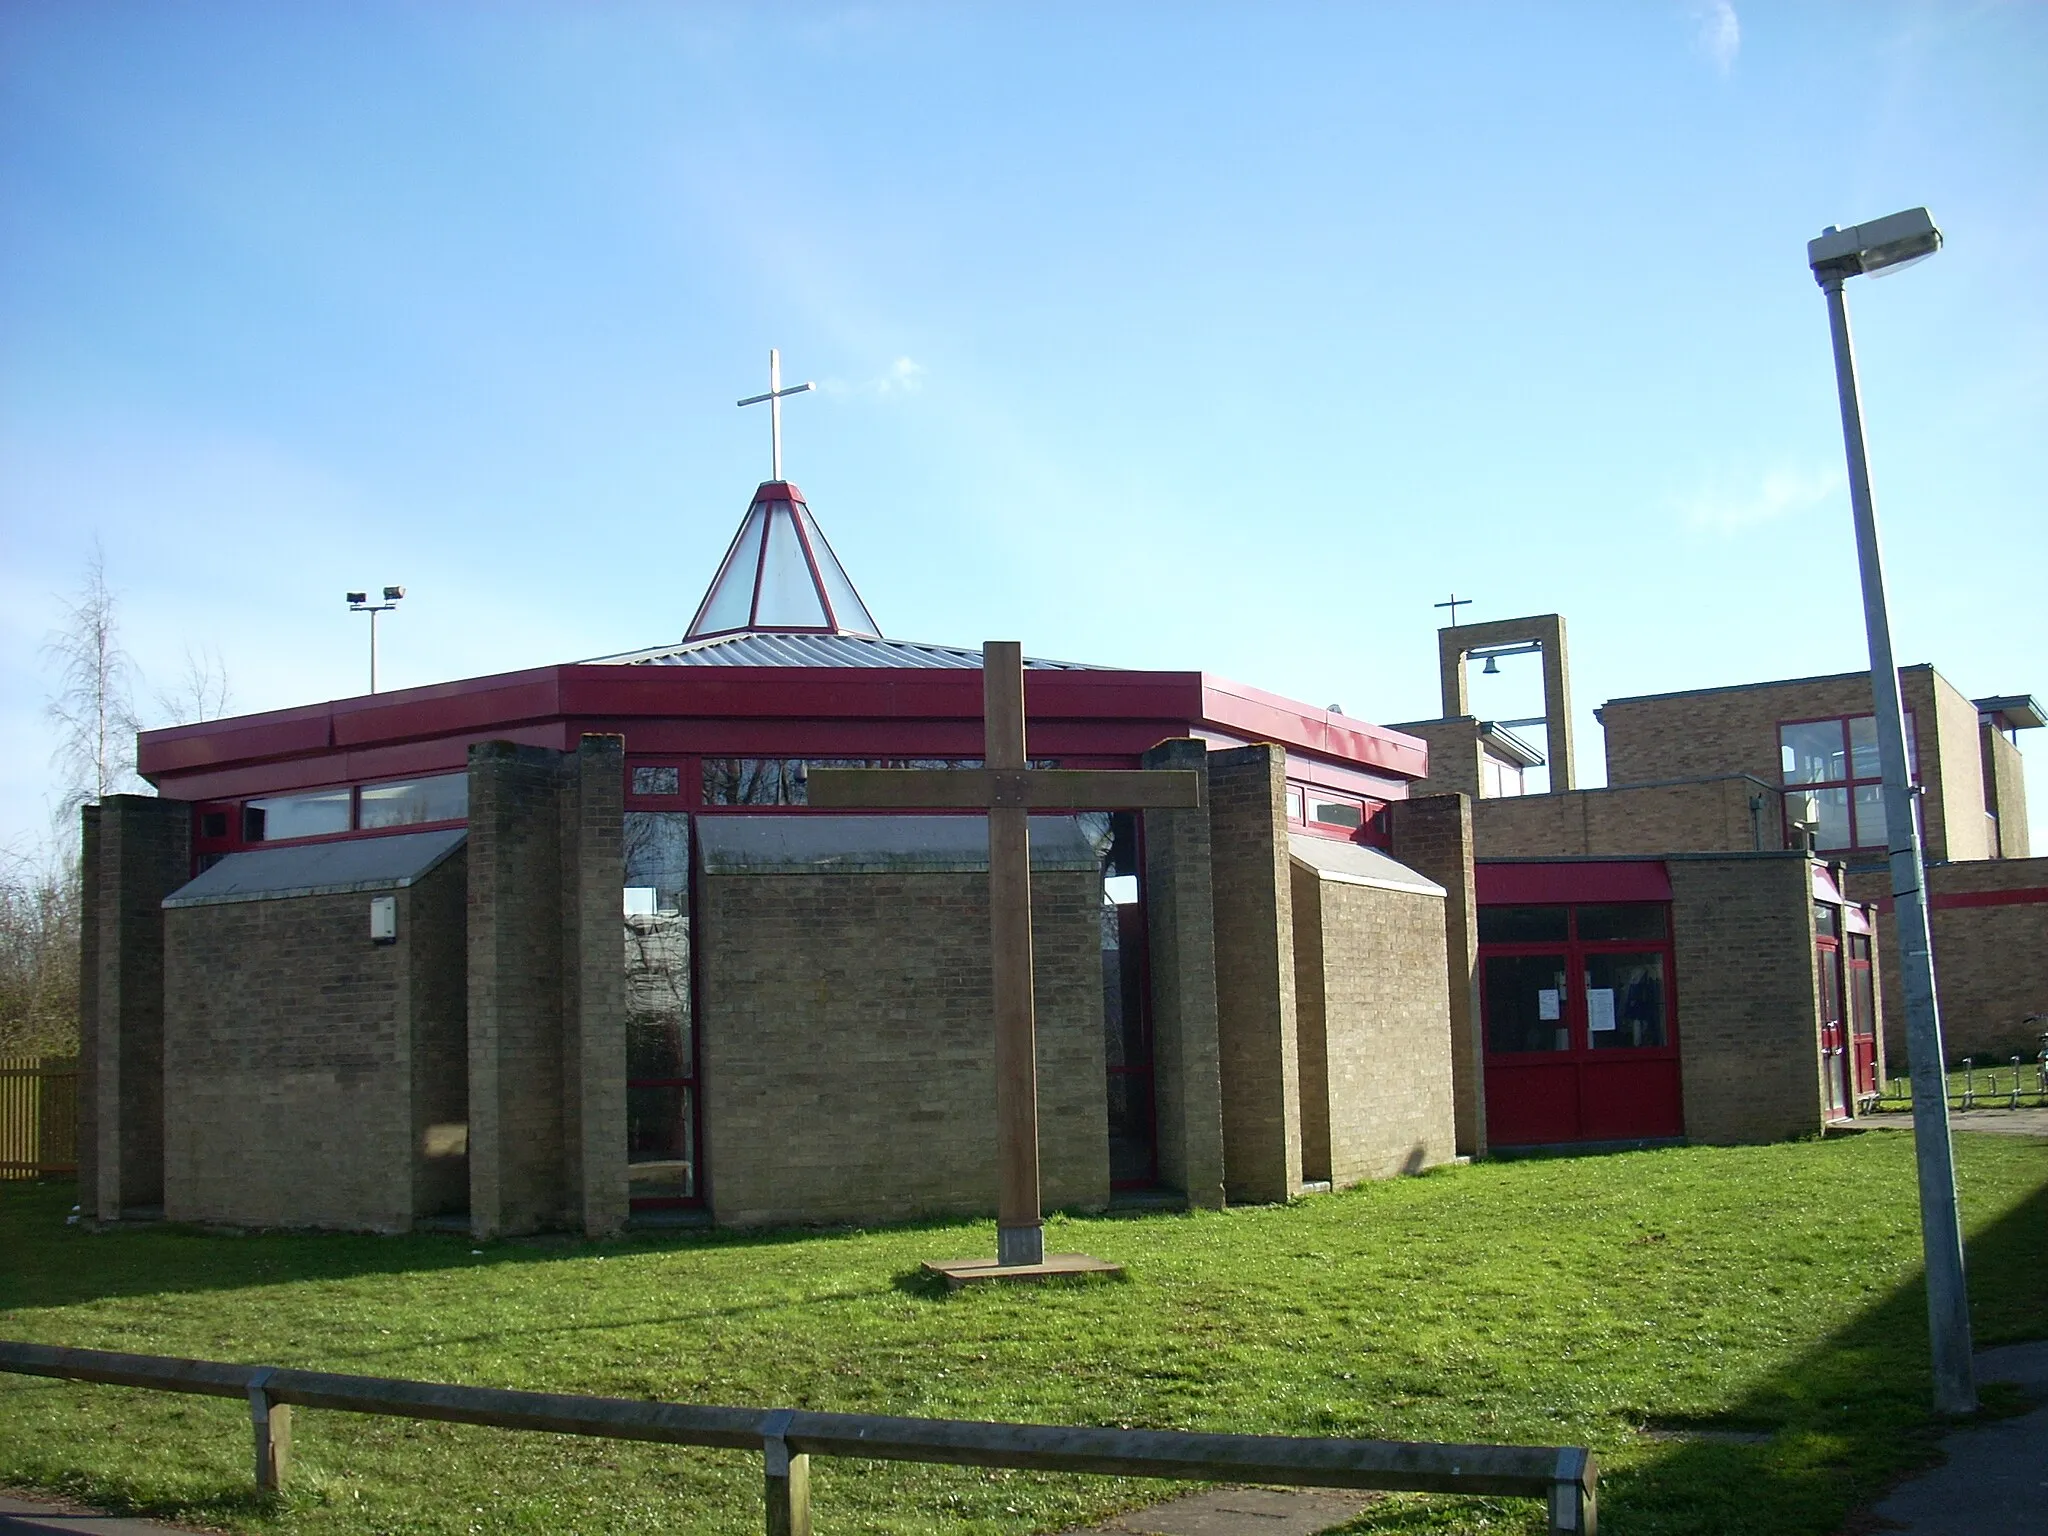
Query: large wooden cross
point(1009, 790)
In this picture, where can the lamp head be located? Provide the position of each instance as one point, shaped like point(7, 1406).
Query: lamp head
point(1895, 241)
point(393, 594)
point(357, 599)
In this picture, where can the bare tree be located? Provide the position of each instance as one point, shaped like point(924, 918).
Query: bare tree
point(93, 707)
point(201, 692)
point(39, 901)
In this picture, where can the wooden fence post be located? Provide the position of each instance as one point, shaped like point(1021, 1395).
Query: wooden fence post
point(786, 1478)
point(1573, 1507)
point(272, 1423)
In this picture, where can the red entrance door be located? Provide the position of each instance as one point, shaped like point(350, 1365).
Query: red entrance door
point(1581, 1037)
point(1862, 1010)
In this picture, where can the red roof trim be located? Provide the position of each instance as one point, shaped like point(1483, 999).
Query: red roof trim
point(1539, 884)
point(1266, 716)
point(1094, 711)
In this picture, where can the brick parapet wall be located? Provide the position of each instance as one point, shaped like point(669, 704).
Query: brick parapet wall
point(1720, 815)
point(1456, 759)
point(1712, 733)
point(848, 1045)
point(144, 853)
point(1311, 1025)
point(1375, 1031)
point(1748, 1017)
point(1255, 973)
point(1953, 812)
point(1181, 942)
point(1434, 836)
point(288, 1069)
point(2005, 791)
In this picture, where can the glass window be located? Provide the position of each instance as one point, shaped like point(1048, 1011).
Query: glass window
point(1624, 1001)
point(1812, 752)
point(1862, 1005)
point(782, 780)
point(660, 1048)
point(1622, 920)
point(409, 802)
point(1297, 803)
point(1863, 763)
point(1524, 997)
point(1522, 925)
point(848, 611)
point(662, 780)
point(751, 781)
point(661, 1162)
point(213, 824)
point(1827, 920)
point(1840, 758)
point(1329, 812)
point(276, 817)
point(789, 597)
point(731, 602)
point(1831, 814)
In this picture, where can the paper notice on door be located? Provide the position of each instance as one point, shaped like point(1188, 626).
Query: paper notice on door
point(1546, 1003)
point(1599, 1009)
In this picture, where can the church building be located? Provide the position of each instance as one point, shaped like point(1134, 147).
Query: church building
point(568, 946)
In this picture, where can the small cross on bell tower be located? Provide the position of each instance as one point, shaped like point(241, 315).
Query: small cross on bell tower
point(774, 399)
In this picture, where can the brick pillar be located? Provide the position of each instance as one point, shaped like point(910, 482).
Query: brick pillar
point(144, 852)
point(594, 977)
point(1432, 835)
point(1255, 973)
point(516, 1176)
point(88, 1008)
point(1180, 925)
point(547, 999)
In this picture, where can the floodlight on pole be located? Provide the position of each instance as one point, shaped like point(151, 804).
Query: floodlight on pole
point(1889, 244)
point(359, 602)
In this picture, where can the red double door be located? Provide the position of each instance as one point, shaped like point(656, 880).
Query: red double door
point(1848, 1013)
point(1580, 1024)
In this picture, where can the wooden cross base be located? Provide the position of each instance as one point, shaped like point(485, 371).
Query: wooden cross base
point(959, 1272)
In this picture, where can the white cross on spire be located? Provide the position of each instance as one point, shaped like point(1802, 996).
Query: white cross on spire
point(774, 399)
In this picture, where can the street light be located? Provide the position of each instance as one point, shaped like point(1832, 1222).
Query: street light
point(359, 602)
point(1892, 243)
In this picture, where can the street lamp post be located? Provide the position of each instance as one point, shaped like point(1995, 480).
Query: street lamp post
point(359, 602)
point(1837, 255)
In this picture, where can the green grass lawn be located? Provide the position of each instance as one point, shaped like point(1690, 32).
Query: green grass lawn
point(1652, 1305)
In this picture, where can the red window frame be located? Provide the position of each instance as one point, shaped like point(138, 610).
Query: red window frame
point(1374, 829)
point(1848, 785)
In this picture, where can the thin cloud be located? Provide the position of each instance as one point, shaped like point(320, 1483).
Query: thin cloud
point(1717, 34)
point(1780, 494)
point(905, 376)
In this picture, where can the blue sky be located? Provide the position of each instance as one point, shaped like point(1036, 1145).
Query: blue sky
point(1167, 336)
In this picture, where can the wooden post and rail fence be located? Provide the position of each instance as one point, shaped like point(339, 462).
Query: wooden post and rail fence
point(38, 1116)
point(1564, 1476)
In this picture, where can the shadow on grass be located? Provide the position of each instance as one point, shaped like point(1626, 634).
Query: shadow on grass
point(52, 1264)
point(1848, 1419)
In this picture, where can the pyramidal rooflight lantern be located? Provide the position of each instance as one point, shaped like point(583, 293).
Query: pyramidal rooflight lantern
point(781, 575)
